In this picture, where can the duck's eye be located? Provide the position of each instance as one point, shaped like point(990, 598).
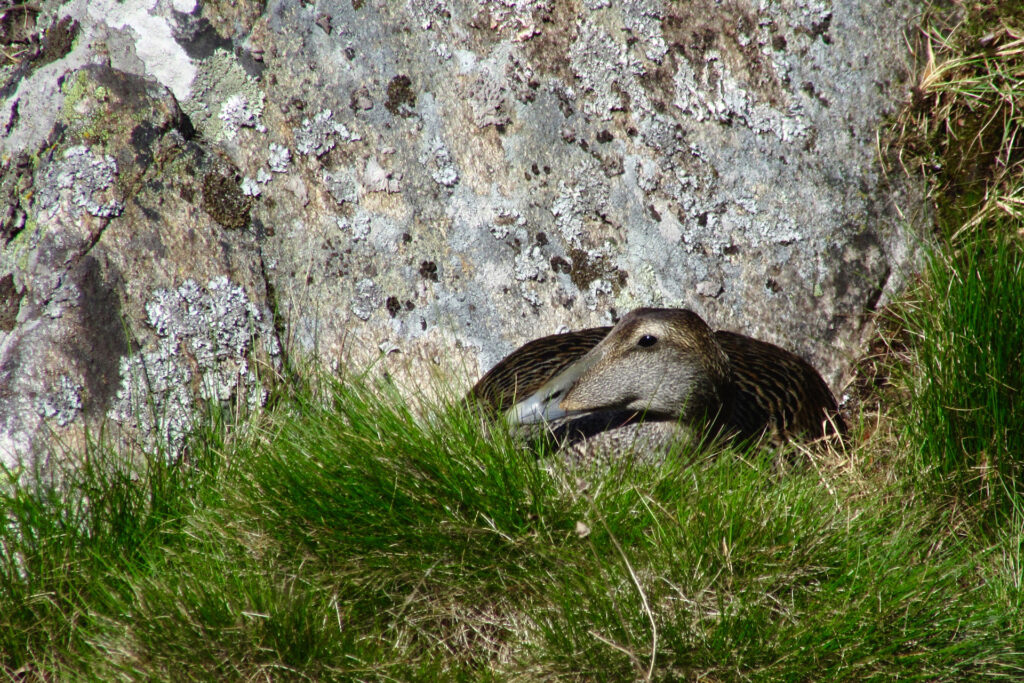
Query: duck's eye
point(647, 340)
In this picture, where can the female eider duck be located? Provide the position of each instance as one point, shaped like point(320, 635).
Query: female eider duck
point(663, 364)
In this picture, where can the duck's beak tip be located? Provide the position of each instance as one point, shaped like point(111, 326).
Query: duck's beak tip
point(536, 408)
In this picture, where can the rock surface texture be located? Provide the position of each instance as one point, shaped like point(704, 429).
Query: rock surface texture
point(194, 190)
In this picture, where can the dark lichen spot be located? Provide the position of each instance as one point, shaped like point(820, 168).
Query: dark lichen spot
point(604, 136)
point(406, 238)
point(148, 212)
point(409, 306)
point(401, 99)
point(18, 24)
point(779, 42)
point(428, 270)
point(702, 219)
point(773, 285)
point(560, 265)
point(584, 270)
point(820, 29)
point(10, 302)
point(653, 212)
point(15, 116)
point(541, 239)
point(58, 41)
point(350, 53)
point(357, 5)
point(809, 88)
point(141, 139)
point(391, 303)
point(15, 185)
point(731, 250)
point(224, 201)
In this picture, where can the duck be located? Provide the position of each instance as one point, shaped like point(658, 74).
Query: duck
point(662, 365)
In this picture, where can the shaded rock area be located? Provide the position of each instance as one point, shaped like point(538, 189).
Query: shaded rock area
point(192, 190)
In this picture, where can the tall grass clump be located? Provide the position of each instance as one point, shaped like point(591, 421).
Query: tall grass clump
point(70, 538)
point(964, 131)
point(967, 327)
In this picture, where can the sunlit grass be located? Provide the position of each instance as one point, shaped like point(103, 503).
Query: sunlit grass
point(967, 378)
point(355, 537)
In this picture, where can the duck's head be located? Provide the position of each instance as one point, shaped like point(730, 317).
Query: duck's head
point(663, 363)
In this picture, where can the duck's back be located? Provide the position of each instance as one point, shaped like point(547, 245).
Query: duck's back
point(776, 389)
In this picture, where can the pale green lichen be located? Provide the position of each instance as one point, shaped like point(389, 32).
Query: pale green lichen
point(224, 98)
point(77, 111)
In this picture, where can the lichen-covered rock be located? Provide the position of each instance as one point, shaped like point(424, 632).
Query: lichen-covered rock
point(127, 299)
point(435, 181)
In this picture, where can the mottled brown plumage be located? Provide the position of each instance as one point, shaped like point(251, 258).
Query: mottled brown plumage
point(664, 364)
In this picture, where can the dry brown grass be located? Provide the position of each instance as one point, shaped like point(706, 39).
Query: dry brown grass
point(963, 127)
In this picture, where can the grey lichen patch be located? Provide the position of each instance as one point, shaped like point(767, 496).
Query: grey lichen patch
point(602, 64)
point(83, 177)
point(643, 18)
point(366, 299)
point(250, 187)
point(279, 158)
point(238, 112)
point(358, 227)
point(715, 94)
point(316, 136)
point(488, 96)
point(63, 403)
point(225, 201)
point(206, 337)
point(576, 203)
point(438, 159)
point(224, 98)
point(426, 12)
point(342, 185)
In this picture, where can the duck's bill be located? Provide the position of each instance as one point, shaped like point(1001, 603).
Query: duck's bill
point(545, 404)
point(536, 408)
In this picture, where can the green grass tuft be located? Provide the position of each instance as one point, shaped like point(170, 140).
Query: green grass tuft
point(967, 333)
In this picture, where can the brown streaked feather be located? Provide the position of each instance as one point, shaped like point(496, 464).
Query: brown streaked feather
point(774, 388)
point(526, 369)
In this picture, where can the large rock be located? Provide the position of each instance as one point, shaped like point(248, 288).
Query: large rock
point(437, 182)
